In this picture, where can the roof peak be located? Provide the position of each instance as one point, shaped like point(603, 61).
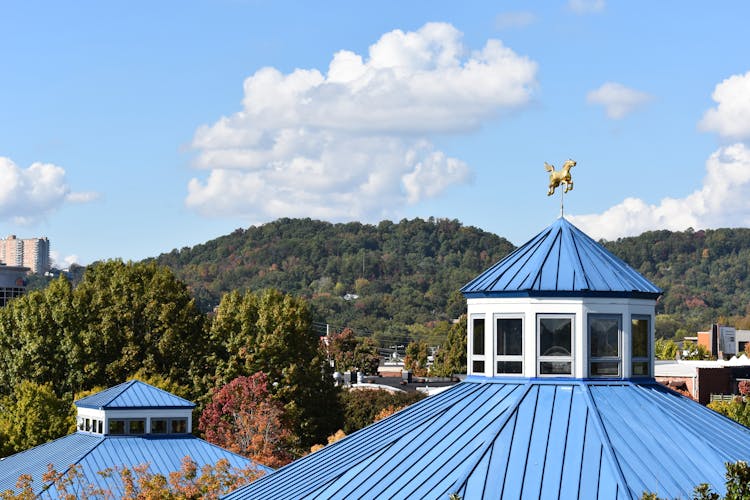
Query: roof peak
point(561, 260)
point(133, 394)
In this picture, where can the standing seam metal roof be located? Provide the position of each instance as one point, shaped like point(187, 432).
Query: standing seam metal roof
point(524, 438)
point(133, 394)
point(561, 261)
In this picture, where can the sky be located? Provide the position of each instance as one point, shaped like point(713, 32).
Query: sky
point(128, 129)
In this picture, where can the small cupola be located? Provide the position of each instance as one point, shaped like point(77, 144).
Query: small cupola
point(134, 408)
point(561, 305)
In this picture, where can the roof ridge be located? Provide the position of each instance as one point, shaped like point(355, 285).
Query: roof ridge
point(70, 466)
point(128, 384)
point(494, 430)
point(608, 449)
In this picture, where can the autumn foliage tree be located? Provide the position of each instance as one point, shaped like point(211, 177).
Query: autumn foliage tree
point(243, 417)
point(139, 483)
point(271, 332)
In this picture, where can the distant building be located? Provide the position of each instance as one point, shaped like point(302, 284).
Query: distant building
point(124, 426)
point(31, 252)
point(705, 378)
point(12, 282)
point(724, 341)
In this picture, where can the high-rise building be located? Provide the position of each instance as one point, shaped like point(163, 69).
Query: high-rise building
point(32, 253)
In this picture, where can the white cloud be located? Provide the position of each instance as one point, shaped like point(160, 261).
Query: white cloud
point(722, 201)
point(353, 142)
point(586, 6)
point(520, 19)
point(617, 99)
point(731, 117)
point(64, 262)
point(31, 193)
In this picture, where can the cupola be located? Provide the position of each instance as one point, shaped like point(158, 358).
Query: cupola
point(134, 409)
point(561, 305)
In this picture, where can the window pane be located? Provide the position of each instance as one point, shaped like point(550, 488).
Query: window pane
point(179, 426)
point(639, 328)
point(137, 426)
point(640, 369)
point(116, 427)
point(158, 426)
point(509, 367)
point(555, 337)
point(605, 338)
point(477, 367)
point(478, 335)
point(509, 336)
point(555, 368)
point(605, 368)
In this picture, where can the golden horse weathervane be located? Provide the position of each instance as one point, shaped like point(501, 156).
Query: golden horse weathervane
point(561, 176)
point(558, 177)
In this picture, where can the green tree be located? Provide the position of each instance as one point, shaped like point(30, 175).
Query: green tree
point(137, 317)
point(361, 406)
point(38, 339)
point(451, 357)
point(350, 352)
point(416, 358)
point(32, 414)
point(271, 332)
point(665, 348)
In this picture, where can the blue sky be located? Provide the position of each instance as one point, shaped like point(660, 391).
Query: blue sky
point(128, 129)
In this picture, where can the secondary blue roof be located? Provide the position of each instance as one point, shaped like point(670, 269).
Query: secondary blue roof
point(133, 394)
point(561, 261)
point(524, 438)
point(95, 453)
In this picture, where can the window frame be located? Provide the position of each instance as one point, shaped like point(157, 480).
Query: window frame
point(507, 358)
point(605, 359)
point(649, 355)
point(556, 359)
point(474, 357)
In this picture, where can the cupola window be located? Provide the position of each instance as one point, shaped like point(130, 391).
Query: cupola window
point(640, 334)
point(477, 344)
point(555, 341)
point(509, 345)
point(604, 345)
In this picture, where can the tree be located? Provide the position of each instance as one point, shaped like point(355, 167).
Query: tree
point(31, 415)
point(416, 358)
point(137, 317)
point(272, 333)
point(451, 357)
point(244, 418)
point(737, 485)
point(665, 348)
point(349, 352)
point(361, 406)
point(38, 339)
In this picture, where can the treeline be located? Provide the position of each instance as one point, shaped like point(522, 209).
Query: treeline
point(408, 274)
point(402, 274)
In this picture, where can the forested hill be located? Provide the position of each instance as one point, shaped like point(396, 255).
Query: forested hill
point(409, 272)
point(704, 275)
point(403, 273)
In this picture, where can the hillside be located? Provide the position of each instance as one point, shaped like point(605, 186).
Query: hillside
point(409, 272)
point(403, 273)
point(704, 274)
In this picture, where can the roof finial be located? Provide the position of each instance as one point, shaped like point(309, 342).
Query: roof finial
point(561, 176)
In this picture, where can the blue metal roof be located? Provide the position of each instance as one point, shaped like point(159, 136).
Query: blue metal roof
point(561, 261)
point(96, 453)
point(133, 394)
point(524, 438)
